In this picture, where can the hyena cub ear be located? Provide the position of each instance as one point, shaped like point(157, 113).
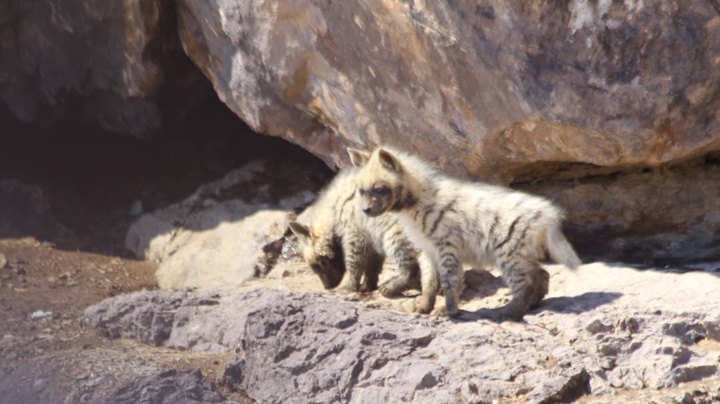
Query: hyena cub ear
point(301, 231)
point(358, 157)
point(389, 161)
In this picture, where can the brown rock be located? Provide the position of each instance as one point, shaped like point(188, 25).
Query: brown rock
point(107, 60)
point(487, 89)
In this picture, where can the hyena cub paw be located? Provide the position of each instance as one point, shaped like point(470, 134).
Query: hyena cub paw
point(369, 284)
point(423, 304)
point(443, 311)
point(395, 286)
point(345, 289)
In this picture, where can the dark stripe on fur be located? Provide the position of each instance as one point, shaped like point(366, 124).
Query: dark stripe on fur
point(521, 239)
point(424, 219)
point(494, 223)
point(510, 232)
point(405, 200)
point(447, 208)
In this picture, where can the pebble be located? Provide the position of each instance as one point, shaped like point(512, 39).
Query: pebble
point(3, 261)
point(40, 314)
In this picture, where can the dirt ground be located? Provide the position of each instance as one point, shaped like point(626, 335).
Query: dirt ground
point(44, 290)
point(83, 187)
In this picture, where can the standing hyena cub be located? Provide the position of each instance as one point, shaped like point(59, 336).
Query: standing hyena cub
point(346, 247)
point(458, 222)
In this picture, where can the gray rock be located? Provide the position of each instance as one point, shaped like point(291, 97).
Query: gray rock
point(102, 376)
point(224, 234)
point(295, 346)
point(168, 387)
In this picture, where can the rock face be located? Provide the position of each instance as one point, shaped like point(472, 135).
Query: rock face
point(488, 89)
point(508, 92)
point(109, 62)
point(639, 201)
point(103, 376)
point(602, 331)
point(227, 231)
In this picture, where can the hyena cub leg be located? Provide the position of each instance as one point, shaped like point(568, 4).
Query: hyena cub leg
point(450, 271)
point(357, 260)
point(425, 303)
point(408, 277)
point(372, 265)
point(529, 284)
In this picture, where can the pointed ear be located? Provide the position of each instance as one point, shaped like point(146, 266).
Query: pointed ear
point(358, 157)
point(389, 161)
point(300, 230)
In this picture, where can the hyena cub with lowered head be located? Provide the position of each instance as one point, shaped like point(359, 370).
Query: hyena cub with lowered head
point(458, 222)
point(344, 246)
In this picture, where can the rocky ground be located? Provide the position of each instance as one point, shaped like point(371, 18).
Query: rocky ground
point(83, 320)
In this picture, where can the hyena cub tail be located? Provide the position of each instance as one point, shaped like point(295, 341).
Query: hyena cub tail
point(559, 248)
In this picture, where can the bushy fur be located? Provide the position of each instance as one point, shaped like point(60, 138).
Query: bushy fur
point(344, 246)
point(458, 222)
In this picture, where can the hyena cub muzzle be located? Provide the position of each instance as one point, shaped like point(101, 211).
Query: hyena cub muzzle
point(324, 255)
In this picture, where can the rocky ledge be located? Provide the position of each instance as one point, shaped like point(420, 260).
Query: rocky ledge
point(604, 333)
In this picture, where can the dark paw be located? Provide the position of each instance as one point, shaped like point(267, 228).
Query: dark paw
point(368, 287)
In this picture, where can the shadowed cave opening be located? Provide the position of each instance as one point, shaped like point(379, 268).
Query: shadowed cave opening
point(91, 179)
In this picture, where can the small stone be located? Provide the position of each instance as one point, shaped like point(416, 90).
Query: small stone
point(20, 271)
point(598, 327)
point(40, 314)
point(3, 261)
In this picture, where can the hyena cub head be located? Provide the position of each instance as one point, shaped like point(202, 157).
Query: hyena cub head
point(380, 181)
point(322, 252)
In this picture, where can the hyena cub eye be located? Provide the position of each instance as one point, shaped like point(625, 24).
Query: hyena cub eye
point(362, 191)
point(381, 191)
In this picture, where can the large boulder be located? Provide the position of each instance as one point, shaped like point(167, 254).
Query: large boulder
point(105, 61)
point(489, 89)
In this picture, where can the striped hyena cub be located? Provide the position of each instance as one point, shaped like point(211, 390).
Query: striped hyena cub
point(344, 246)
point(458, 222)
